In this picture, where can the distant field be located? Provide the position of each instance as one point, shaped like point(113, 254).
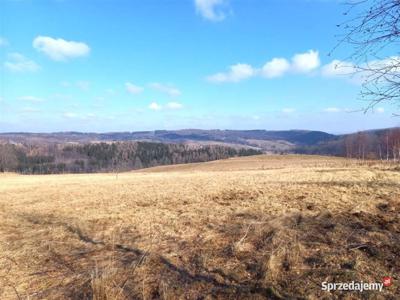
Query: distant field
point(260, 227)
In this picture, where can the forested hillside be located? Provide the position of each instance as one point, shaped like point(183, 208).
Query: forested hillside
point(375, 144)
point(106, 157)
point(30, 153)
point(266, 140)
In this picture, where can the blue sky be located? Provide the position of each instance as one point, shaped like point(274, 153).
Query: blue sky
point(113, 65)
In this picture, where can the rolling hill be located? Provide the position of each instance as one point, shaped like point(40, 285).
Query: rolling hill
point(261, 139)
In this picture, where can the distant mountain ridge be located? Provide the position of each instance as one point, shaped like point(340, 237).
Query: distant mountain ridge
point(373, 142)
point(93, 152)
point(260, 139)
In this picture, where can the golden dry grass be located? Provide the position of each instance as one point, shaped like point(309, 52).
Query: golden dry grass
point(259, 227)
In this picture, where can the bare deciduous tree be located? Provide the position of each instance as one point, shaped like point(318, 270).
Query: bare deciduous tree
point(8, 158)
point(373, 29)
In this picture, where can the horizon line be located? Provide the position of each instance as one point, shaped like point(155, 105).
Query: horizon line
point(183, 129)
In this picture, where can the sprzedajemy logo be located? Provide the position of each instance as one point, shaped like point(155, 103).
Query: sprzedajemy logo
point(357, 286)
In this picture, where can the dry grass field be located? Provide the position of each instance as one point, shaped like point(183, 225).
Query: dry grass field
point(262, 227)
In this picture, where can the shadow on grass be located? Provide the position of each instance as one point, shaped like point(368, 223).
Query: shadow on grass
point(253, 256)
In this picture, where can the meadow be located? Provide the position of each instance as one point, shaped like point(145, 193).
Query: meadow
point(259, 227)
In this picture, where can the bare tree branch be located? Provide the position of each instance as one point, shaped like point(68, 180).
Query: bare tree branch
point(374, 32)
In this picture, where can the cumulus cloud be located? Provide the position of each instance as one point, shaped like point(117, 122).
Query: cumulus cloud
point(275, 68)
point(3, 42)
point(16, 62)
point(155, 106)
point(337, 68)
point(391, 62)
point(364, 73)
point(133, 89)
point(236, 73)
point(309, 62)
point(170, 105)
point(213, 10)
point(379, 70)
point(174, 105)
point(306, 62)
point(60, 49)
point(332, 109)
point(32, 99)
point(167, 89)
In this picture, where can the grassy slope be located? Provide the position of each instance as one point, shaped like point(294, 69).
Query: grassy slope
point(254, 227)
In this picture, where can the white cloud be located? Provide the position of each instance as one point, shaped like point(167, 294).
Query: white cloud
point(60, 49)
point(379, 110)
point(133, 89)
point(3, 42)
point(332, 110)
point(155, 106)
point(275, 68)
point(18, 63)
point(174, 105)
point(32, 99)
point(236, 73)
point(392, 62)
point(305, 62)
point(300, 63)
point(337, 68)
point(170, 105)
point(213, 10)
point(288, 110)
point(362, 74)
point(70, 115)
point(167, 89)
point(378, 71)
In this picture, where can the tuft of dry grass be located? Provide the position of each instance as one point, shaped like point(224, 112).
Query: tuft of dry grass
point(264, 227)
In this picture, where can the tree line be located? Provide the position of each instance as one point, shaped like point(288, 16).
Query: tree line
point(385, 146)
point(106, 157)
point(382, 145)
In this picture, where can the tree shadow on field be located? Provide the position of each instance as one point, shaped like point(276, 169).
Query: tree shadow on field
point(85, 262)
point(252, 256)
